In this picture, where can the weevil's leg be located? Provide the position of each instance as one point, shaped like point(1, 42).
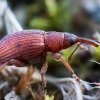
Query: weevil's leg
point(58, 56)
point(70, 57)
point(15, 62)
point(43, 71)
point(3, 66)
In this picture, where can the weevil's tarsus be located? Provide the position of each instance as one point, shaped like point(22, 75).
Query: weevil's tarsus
point(76, 78)
point(43, 71)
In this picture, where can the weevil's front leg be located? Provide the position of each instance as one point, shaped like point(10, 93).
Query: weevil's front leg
point(58, 56)
point(43, 71)
point(15, 62)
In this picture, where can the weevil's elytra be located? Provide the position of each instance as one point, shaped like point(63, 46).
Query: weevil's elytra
point(31, 45)
point(18, 45)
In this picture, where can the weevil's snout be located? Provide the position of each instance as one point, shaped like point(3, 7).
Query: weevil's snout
point(87, 41)
point(70, 39)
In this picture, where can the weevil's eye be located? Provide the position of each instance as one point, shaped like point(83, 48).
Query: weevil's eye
point(72, 40)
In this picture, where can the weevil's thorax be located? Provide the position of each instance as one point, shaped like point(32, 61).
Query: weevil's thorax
point(54, 41)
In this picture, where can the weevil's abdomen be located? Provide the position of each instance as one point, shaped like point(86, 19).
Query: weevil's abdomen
point(26, 46)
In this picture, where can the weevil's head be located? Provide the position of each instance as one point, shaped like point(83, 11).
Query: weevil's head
point(70, 39)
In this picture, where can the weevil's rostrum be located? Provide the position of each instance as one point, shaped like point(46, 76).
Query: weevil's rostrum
point(29, 46)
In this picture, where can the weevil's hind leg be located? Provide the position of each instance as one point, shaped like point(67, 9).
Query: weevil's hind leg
point(15, 62)
point(58, 56)
point(70, 57)
point(43, 71)
point(3, 66)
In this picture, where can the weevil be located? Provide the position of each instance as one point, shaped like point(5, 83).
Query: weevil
point(29, 46)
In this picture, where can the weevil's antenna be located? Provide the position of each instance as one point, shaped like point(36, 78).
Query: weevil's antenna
point(70, 57)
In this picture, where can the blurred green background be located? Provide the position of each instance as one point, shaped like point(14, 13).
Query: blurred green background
point(80, 17)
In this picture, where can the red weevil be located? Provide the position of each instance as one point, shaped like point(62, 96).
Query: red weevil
point(29, 46)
